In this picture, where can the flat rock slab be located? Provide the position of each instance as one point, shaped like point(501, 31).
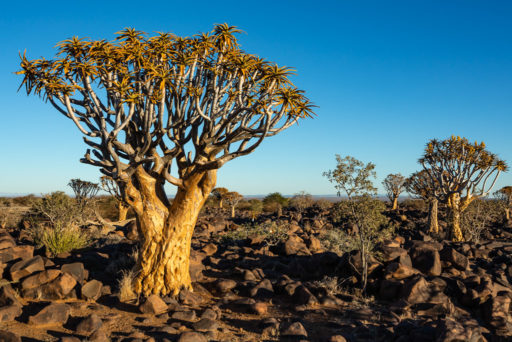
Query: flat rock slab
point(92, 289)
point(53, 314)
point(24, 268)
point(153, 305)
point(191, 336)
point(14, 253)
point(89, 325)
point(76, 269)
point(7, 336)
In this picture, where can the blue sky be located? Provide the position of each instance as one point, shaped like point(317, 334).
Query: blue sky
point(387, 77)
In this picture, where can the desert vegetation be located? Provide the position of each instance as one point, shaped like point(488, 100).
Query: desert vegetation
point(122, 260)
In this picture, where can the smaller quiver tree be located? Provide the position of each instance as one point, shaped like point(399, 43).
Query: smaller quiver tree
point(394, 185)
point(421, 185)
point(504, 195)
point(84, 194)
point(464, 171)
point(232, 199)
point(219, 194)
point(255, 208)
point(109, 185)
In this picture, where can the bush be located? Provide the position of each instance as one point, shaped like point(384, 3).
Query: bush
point(301, 201)
point(58, 240)
point(337, 241)
point(56, 223)
point(57, 210)
point(480, 214)
point(323, 204)
point(274, 202)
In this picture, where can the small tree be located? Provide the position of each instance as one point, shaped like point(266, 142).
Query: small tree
point(276, 202)
point(419, 184)
point(145, 104)
point(110, 186)
point(232, 198)
point(362, 209)
point(84, 191)
point(301, 201)
point(465, 171)
point(219, 194)
point(255, 208)
point(504, 195)
point(394, 185)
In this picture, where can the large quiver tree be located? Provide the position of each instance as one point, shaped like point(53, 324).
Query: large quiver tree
point(147, 103)
point(464, 171)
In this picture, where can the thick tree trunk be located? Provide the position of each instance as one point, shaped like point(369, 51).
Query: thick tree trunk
point(507, 215)
point(166, 230)
point(221, 204)
point(432, 216)
point(233, 211)
point(455, 209)
point(122, 211)
point(395, 203)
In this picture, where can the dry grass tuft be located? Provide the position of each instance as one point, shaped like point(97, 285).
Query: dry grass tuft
point(126, 293)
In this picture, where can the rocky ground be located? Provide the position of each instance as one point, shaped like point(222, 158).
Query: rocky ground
point(254, 289)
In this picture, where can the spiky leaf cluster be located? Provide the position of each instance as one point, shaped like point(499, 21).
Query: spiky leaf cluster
point(420, 184)
point(459, 166)
point(394, 185)
point(148, 100)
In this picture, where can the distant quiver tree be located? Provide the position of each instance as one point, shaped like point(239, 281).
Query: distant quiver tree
point(421, 185)
point(394, 185)
point(464, 171)
point(147, 103)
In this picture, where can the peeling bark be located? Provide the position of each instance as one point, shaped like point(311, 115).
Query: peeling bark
point(455, 210)
point(395, 203)
point(166, 230)
point(122, 211)
point(433, 224)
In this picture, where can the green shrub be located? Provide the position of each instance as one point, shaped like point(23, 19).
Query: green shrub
point(58, 240)
point(480, 214)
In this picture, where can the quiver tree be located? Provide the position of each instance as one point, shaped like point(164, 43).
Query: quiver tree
point(219, 194)
point(420, 184)
point(394, 185)
point(84, 193)
point(464, 171)
point(110, 186)
point(232, 199)
point(145, 104)
point(504, 195)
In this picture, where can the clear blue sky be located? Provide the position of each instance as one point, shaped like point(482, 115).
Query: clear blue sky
point(387, 77)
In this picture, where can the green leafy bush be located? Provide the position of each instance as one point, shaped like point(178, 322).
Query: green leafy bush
point(59, 239)
point(56, 223)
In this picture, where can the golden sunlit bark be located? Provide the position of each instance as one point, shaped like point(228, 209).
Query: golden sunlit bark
point(456, 208)
point(166, 230)
point(395, 204)
point(433, 224)
point(122, 210)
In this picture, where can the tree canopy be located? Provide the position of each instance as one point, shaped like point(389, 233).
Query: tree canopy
point(147, 101)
